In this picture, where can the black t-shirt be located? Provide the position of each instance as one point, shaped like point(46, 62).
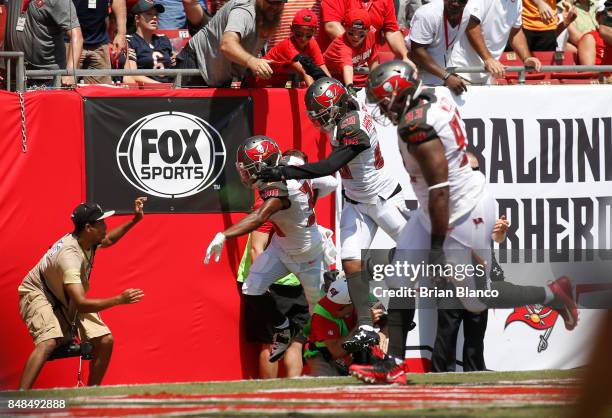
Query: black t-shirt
point(158, 54)
point(93, 21)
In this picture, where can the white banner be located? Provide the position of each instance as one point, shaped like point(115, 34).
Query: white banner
point(547, 155)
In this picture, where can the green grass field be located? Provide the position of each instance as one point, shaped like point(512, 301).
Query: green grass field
point(485, 394)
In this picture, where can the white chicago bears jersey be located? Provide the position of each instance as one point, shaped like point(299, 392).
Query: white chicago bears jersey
point(437, 117)
point(296, 227)
point(365, 177)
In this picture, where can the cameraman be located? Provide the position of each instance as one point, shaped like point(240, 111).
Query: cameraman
point(52, 300)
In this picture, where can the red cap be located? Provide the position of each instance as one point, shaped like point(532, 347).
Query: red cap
point(305, 17)
point(358, 19)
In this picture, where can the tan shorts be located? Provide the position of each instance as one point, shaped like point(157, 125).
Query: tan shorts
point(43, 323)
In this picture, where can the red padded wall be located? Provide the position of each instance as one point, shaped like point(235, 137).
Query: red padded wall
point(187, 326)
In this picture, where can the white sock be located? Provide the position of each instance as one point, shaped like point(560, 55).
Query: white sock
point(549, 295)
point(284, 324)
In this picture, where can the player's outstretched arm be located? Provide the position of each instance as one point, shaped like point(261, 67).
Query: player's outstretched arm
point(334, 162)
point(247, 224)
point(117, 233)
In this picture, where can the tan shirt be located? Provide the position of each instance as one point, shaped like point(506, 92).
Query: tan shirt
point(64, 263)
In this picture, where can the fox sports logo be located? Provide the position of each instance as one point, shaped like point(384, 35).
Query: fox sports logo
point(171, 154)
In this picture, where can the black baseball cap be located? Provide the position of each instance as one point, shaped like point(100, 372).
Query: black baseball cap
point(89, 213)
point(144, 5)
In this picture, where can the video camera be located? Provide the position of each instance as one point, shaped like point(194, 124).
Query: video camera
point(73, 348)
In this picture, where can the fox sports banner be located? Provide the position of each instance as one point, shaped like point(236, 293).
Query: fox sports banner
point(546, 152)
point(179, 152)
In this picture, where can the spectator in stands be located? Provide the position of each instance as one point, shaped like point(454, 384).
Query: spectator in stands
point(541, 24)
point(433, 31)
point(93, 18)
point(230, 43)
point(196, 16)
point(36, 27)
point(406, 10)
point(356, 48)
point(492, 24)
point(332, 321)
point(382, 19)
point(284, 27)
point(146, 49)
point(591, 45)
point(605, 31)
point(301, 42)
point(175, 15)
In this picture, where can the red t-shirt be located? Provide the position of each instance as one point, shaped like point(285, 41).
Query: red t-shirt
point(286, 50)
point(340, 54)
point(382, 14)
point(322, 329)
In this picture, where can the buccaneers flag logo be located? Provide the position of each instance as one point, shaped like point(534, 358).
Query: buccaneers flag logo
point(261, 151)
point(393, 85)
point(330, 96)
point(538, 317)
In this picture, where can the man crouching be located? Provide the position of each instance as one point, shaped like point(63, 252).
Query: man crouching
point(52, 300)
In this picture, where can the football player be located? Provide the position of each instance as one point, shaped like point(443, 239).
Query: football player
point(298, 246)
point(455, 211)
point(372, 196)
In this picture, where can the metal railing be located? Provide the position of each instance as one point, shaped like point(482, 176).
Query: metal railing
point(545, 68)
point(22, 75)
point(8, 58)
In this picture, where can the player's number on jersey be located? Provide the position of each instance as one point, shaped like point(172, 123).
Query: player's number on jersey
point(307, 190)
point(158, 63)
point(459, 136)
point(379, 162)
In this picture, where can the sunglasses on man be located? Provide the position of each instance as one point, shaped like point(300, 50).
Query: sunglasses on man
point(303, 35)
point(357, 34)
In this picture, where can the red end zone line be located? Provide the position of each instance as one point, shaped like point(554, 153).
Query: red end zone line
point(371, 392)
point(329, 400)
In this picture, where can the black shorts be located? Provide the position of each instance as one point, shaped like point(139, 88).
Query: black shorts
point(545, 40)
point(290, 300)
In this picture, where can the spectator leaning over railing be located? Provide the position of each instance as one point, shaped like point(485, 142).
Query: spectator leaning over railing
point(36, 28)
point(146, 49)
point(301, 43)
point(355, 48)
point(433, 31)
point(229, 44)
point(93, 18)
point(492, 24)
point(382, 19)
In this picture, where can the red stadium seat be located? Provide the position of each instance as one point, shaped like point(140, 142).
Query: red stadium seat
point(532, 82)
point(511, 59)
point(178, 37)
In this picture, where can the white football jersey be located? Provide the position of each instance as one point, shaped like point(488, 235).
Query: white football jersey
point(295, 227)
point(437, 116)
point(365, 177)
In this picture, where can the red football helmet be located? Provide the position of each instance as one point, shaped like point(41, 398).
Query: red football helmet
point(254, 153)
point(392, 85)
